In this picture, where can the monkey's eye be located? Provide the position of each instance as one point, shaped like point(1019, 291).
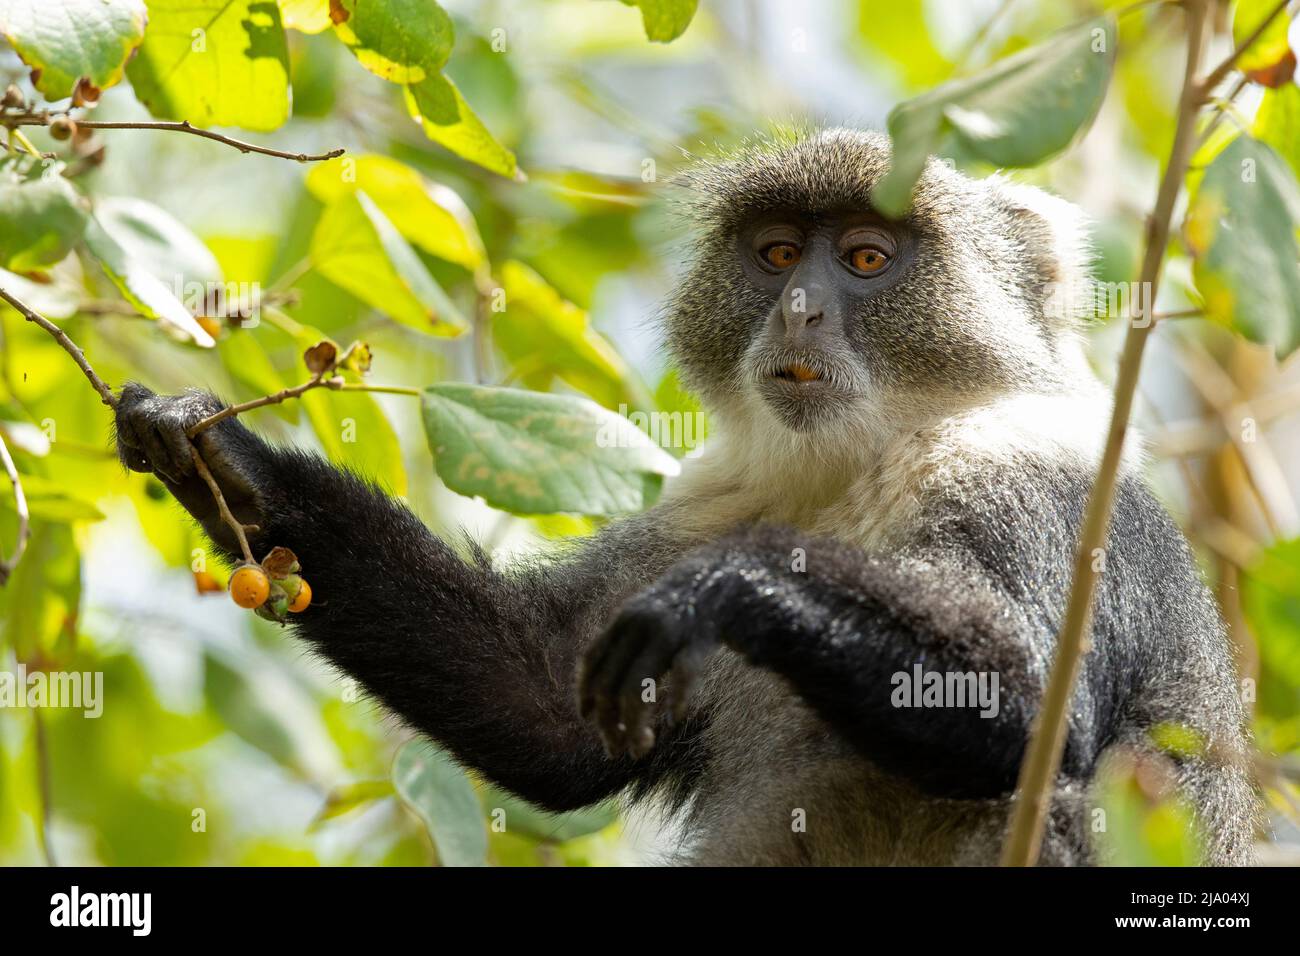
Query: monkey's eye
point(781, 255)
point(868, 259)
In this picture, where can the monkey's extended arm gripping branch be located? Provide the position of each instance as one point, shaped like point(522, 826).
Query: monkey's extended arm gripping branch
point(106, 395)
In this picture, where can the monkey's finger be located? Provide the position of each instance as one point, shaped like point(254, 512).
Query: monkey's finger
point(157, 451)
point(641, 677)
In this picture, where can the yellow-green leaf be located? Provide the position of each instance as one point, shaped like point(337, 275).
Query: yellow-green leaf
point(404, 41)
point(665, 20)
point(214, 63)
point(428, 214)
point(356, 247)
point(305, 16)
point(546, 337)
point(448, 120)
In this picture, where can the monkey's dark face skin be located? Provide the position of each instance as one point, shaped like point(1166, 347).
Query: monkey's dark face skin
point(794, 273)
point(810, 359)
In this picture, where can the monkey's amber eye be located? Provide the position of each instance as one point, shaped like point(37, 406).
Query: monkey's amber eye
point(781, 255)
point(868, 259)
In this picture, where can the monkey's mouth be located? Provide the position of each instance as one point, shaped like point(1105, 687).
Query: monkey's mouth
point(797, 372)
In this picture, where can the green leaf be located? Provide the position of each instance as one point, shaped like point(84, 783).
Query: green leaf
point(1270, 598)
point(352, 796)
point(404, 41)
point(214, 63)
point(40, 603)
point(159, 242)
point(68, 39)
point(1277, 123)
point(46, 499)
point(247, 362)
point(1271, 47)
point(1018, 112)
point(426, 213)
point(1240, 229)
point(903, 39)
point(524, 818)
point(359, 249)
point(544, 336)
point(140, 287)
point(665, 20)
point(1142, 830)
point(441, 795)
point(41, 215)
point(305, 16)
point(245, 701)
point(448, 120)
point(531, 453)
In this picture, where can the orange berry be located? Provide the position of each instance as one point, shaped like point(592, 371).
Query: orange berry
point(249, 586)
point(302, 599)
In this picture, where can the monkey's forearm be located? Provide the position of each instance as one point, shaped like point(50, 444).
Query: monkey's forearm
point(864, 641)
point(482, 662)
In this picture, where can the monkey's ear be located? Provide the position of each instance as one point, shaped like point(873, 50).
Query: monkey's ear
point(1055, 239)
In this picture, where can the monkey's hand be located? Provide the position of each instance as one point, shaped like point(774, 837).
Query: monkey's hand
point(641, 671)
point(151, 438)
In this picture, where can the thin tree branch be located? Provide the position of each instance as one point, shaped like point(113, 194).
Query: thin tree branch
point(227, 516)
point(20, 504)
point(105, 393)
point(1216, 76)
point(43, 119)
point(1043, 756)
point(230, 411)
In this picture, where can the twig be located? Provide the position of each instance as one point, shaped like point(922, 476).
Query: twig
point(1043, 757)
point(226, 515)
point(105, 393)
point(20, 503)
point(1215, 76)
point(231, 410)
point(43, 119)
point(1223, 103)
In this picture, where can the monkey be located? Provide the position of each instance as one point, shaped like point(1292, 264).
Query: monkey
point(904, 430)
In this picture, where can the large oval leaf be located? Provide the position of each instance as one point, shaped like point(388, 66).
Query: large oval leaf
point(404, 41)
point(436, 788)
point(69, 39)
point(41, 215)
point(426, 213)
point(359, 249)
point(1018, 112)
point(532, 453)
point(448, 120)
point(140, 287)
point(1241, 230)
point(544, 337)
point(214, 63)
